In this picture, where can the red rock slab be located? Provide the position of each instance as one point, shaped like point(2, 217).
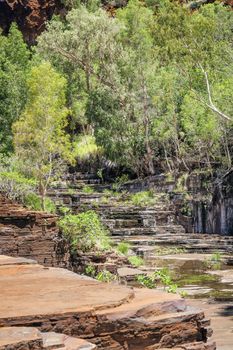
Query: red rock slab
point(35, 290)
point(147, 303)
point(22, 337)
point(8, 260)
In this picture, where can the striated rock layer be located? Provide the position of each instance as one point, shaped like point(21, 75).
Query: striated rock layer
point(30, 234)
point(110, 316)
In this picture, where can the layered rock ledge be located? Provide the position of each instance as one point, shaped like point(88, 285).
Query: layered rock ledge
point(31, 234)
point(107, 315)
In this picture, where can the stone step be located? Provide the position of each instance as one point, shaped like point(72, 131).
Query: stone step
point(145, 232)
point(193, 244)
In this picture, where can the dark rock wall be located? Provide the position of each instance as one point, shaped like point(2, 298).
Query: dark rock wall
point(30, 15)
point(216, 216)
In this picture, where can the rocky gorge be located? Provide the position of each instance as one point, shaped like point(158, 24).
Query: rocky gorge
point(136, 318)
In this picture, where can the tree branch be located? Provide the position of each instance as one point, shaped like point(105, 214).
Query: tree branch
point(211, 105)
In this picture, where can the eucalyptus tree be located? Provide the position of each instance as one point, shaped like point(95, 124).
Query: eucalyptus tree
point(40, 140)
point(14, 62)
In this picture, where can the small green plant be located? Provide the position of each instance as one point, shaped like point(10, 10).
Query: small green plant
point(183, 293)
point(100, 174)
point(181, 185)
point(216, 257)
point(136, 261)
point(71, 191)
point(110, 193)
point(123, 248)
point(90, 270)
point(214, 262)
point(146, 281)
point(120, 181)
point(85, 231)
point(143, 198)
point(165, 278)
point(33, 202)
point(169, 177)
point(105, 200)
point(105, 276)
point(87, 190)
point(63, 210)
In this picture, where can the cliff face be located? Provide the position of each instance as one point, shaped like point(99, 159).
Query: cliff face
point(30, 15)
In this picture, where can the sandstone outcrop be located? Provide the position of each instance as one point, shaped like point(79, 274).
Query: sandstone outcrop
point(107, 315)
point(30, 234)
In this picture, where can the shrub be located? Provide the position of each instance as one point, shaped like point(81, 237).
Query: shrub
point(33, 201)
point(146, 281)
point(162, 276)
point(14, 185)
point(90, 271)
point(87, 190)
point(123, 248)
point(85, 231)
point(143, 198)
point(165, 279)
point(120, 181)
point(105, 276)
point(136, 261)
point(216, 257)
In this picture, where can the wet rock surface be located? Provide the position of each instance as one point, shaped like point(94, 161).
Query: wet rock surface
point(221, 315)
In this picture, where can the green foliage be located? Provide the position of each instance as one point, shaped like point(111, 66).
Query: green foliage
point(105, 276)
point(140, 81)
point(146, 281)
point(13, 183)
point(165, 279)
point(136, 261)
point(183, 293)
point(40, 140)
point(90, 271)
point(63, 210)
point(14, 62)
point(161, 276)
point(88, 189)
point(216, 257)
point(148, 89)
point(100, 175)
point(33, 201)
point(143, 198)
point(123, 248)
point(85, 231)
point(214, 262)
point(84, 146)
point(119, 182)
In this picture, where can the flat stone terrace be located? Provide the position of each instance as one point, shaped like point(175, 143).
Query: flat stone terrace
point(108, 316)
